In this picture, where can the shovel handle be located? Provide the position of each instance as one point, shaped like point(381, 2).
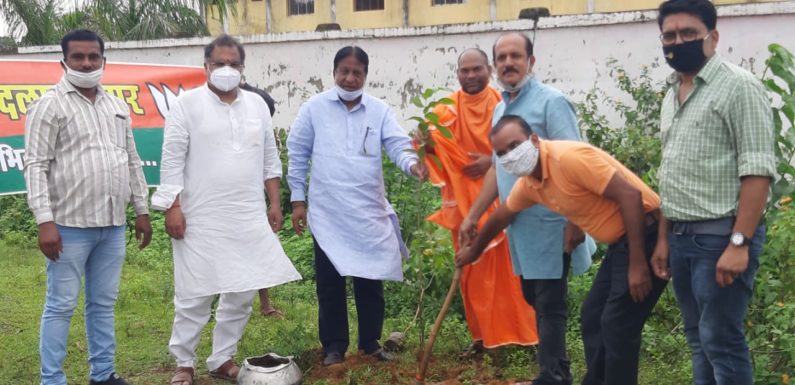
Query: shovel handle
point(426, 354)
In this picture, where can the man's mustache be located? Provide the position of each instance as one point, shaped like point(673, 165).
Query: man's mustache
point(509, 70)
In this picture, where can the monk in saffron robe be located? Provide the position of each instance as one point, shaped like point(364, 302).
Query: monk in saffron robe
point(496, 311)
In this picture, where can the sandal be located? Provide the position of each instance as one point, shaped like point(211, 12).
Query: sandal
point(227, 371)
point(182, 376)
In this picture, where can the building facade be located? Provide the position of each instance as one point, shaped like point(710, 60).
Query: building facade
point(275, 16)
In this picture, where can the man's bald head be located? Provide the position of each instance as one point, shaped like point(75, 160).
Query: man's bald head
point(472, 53)
point(474, 70)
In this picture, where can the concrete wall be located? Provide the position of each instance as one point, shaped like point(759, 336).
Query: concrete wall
point(571, 52)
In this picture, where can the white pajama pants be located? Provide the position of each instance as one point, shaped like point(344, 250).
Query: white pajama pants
point(190, 317)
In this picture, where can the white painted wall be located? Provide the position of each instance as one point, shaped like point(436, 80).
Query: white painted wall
point(571, 53)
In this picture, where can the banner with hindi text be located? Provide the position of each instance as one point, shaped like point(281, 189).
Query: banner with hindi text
point(147, 90)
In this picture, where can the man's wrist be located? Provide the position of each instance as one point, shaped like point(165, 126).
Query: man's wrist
point(298, 204)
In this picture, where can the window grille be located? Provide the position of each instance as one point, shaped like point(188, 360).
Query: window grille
point(446, 2)
point(368, 5)
point(300, 7)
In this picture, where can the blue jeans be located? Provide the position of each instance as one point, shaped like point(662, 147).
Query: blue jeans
point(714, 316)
point(99, 254)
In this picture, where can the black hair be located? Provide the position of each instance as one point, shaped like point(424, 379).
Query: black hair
point(263, 94)
point(354, 51)
point(81, 35)
point(225, 41)
point(506, 119)
point(478, 50)
point(703, 9)
point(528, 44)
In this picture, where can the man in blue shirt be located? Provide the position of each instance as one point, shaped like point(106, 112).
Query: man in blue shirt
point(542, 243)
point(341, 133)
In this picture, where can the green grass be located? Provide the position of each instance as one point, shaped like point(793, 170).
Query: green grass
point(144, 314)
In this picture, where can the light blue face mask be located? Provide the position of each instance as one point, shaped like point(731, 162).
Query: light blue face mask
point(348, 96)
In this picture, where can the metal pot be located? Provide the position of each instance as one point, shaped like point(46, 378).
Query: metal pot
point(270, 369)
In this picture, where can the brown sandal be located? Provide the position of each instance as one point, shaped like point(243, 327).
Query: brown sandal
point(227, 371)
point(182, 376)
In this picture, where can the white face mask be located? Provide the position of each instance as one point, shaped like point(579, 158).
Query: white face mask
point(515, 88)
point(225, 79)
point(522, 160)
point(348, 96)
point(83, 79)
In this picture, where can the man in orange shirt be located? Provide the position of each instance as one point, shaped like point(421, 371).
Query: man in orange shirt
point(598, 194)
point(495, 309)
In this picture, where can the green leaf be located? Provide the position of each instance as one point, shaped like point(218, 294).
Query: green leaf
point(447, 101)
point(433, 118)
point(445, 132)
point(772, 86)
point(416, 101)
point(417, 119)
point(428, 93)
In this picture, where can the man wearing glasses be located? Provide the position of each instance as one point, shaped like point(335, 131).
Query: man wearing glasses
point(717, 162)
point(218, 152)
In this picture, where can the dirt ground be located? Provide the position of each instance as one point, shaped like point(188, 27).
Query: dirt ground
point(400, 373)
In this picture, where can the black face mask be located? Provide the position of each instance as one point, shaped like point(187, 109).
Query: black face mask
point(686, 57)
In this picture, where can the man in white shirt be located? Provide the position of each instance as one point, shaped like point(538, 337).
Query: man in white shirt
point(218, 150)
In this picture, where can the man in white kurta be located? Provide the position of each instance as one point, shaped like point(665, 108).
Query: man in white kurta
point(218, 149)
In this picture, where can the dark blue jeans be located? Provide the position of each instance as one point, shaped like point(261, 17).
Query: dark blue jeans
point(612, 323)
point(714, 316)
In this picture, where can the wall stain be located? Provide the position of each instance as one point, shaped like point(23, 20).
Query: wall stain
point(317, 82)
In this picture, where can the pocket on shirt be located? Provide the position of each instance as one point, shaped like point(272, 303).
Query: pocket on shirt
point(252, 133)
point(119, 130)
point(370, 142)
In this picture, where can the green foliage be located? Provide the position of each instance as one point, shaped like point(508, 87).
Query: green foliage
point(770, 325)
point(17, 224)
point(636, 141)
point(430, 268)
point(43, 22)
point(782, 85)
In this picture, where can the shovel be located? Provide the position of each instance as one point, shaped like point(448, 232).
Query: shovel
point(426, 354)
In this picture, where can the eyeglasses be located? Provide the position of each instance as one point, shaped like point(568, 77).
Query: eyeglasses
point(237, 66)
point(687, 34)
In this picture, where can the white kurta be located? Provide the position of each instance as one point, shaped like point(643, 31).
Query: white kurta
point(216, 156)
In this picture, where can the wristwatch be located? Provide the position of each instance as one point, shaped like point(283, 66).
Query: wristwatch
point(738, 239)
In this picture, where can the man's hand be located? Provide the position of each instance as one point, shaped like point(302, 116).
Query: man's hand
point(467, 232)
point(175, 222)
point(465, 256)
point(732, 263)
point(275, 218)
point(143, 230)
point(659, 260)
point(299, 217)
point(478, 167)
point(50, 241)
point(572, 237)
point(639, 281)
point(420, 171)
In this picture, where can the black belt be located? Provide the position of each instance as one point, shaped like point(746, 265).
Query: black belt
point(722, 226)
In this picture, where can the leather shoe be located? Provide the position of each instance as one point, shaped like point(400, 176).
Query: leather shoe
point(333, 358)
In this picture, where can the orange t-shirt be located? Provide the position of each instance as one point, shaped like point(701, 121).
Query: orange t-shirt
point(574, 176)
